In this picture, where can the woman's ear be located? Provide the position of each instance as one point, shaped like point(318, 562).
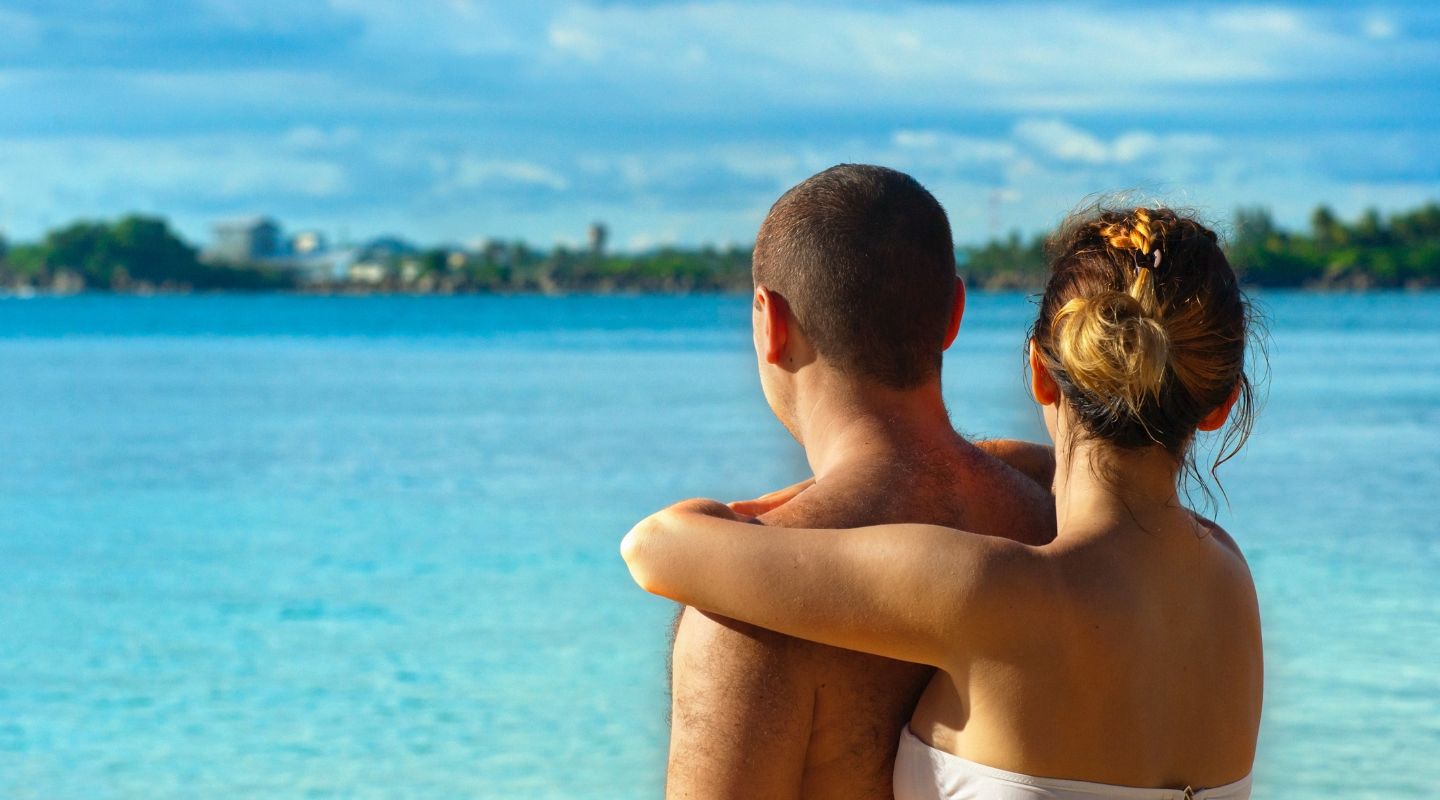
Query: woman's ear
point(957, 311)
point(1216, 418)
point(1042, 385)
point(772, 325)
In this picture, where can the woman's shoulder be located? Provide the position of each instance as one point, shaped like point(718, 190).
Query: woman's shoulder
point(1228, 548)
point(1230, 587)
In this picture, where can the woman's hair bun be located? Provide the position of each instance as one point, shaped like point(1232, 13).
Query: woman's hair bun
point(1112, 348)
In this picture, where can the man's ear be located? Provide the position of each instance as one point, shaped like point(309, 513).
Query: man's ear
point(1042, 384)
point(1216, 418)
point(772, 324)
point(957, 311)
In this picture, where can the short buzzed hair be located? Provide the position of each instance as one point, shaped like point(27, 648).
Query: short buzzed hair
point(864, 257)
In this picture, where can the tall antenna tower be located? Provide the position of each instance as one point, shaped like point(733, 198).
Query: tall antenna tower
point(996, 198)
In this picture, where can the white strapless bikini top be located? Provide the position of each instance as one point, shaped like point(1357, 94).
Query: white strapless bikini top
point(924, 773)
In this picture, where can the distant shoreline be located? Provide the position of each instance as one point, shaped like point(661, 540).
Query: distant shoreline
point(10, 293)
point(143, 255)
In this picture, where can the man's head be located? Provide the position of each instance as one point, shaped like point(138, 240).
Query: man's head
point(855, 271)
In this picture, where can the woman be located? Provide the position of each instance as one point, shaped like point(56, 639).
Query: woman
point(1122, 659)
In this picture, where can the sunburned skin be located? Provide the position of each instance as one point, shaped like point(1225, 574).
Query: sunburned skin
point(761, 714)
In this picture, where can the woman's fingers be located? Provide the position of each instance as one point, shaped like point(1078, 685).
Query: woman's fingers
point(769, 502)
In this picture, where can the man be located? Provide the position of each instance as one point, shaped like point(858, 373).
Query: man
point(855, 300)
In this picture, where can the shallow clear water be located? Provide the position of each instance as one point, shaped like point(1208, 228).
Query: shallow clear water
point(366, 547)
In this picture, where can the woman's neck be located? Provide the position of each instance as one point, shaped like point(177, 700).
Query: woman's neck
point(1097, 485)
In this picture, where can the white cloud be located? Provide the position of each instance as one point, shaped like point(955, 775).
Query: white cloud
point(1060, 140)
point(574, 41)
point(1271, 22)
point(201, 167)
point(937, 146)
point(1018, 57)
point(469, 172)
point(449, 119)
point(46, 182)
point(431, 189)
point(1379, 27)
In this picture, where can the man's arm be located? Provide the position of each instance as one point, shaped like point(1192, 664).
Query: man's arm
point(742, 698)
point(741, 711)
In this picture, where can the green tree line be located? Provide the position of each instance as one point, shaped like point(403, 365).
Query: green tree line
point(139, 252)
point(517, 268)
point(1401, 250)
point(131, 253)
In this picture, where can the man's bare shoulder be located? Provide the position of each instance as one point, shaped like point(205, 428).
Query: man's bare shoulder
point(718, 651)
point(876, 496)
point(966, 487)
point(744, 646)
point(816, 507)
point(1007, 500)
point(720, 636)
point(738, 640)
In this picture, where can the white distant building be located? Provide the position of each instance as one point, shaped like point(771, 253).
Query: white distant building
point(368, 272)
point(307, 243)
point(246, 240)
point(326, 266)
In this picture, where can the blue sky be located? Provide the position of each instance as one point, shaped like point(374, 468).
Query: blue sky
point(449, 120)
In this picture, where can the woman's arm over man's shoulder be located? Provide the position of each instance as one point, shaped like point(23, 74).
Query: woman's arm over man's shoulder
point(903, 591)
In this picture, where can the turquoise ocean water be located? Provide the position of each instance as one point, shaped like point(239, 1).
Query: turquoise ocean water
point(366, 547)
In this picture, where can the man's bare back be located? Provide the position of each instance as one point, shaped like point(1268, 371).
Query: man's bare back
point(757, 714)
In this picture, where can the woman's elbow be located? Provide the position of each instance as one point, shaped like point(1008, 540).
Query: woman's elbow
point(638, 549)
point(655, 551)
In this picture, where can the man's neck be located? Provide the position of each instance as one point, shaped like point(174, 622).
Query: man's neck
point(842, 422)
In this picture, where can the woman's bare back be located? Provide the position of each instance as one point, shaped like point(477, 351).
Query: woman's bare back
point(1151, 674)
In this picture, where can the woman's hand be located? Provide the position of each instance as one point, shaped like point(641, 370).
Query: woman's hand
point(766, 503)
point(1034, 461)
point(706, 506)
